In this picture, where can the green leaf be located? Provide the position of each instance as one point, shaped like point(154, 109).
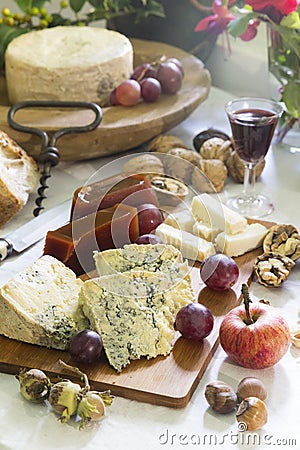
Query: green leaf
point(291, 98)
point(26, 5)
point(291, 21)
point(7, 34)
point(77, 5)
point(238, 26)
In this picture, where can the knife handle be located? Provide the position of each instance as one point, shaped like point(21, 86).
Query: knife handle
point(6, 249)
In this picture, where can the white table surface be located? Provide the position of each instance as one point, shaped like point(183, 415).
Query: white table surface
point(135, 425)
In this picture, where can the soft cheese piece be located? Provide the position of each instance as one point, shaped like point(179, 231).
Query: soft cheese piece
point(40, 305)
point(181, 219)
point(67, 63)
point(134, 313)
point(192, 247)
point(153, 258)
point(210, 210)
point(240, 243)
point(19, 175)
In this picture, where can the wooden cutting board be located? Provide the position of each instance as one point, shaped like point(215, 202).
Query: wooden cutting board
point(122, 128)
point(168, 381)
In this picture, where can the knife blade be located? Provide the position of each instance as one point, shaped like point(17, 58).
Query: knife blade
point(34, 230)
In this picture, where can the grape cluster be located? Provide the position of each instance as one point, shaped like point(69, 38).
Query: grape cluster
point(148, 82)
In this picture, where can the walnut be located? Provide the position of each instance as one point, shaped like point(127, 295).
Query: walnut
point(209, 175)
point(236, 168)
point(179, 163)
point(283, 239)
point(216, 148)
point(144, 163)
point(164, 142)
point(272, 268)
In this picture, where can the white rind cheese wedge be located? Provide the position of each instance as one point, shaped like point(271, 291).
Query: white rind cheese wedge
point(211, 211)
point(238, 244)
point(182, 220)
point(153, 258)
point(192, 247)
point(67, 63)
point(134, 313)
point(40, 305)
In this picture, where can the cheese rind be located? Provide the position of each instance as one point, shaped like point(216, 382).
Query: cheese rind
point(67, 63)
point(208, 209)
point(238, 244)
point(134, 313)
point(40, 305)
point(192, 247)
point(153, 258)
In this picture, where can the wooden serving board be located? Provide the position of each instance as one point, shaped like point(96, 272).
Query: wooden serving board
point(168, 381)
point(122, 128)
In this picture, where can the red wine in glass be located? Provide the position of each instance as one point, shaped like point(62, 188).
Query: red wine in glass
point(253, 122)
point(253, 136)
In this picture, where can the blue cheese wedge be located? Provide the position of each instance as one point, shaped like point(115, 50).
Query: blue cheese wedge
point(134, 312)
point(153, 258)
point(40, 305)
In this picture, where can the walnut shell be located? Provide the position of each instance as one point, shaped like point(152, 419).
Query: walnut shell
point(283, 239)
point(272, 268)
point(181, 163)
point(144, 163)
point(209, 175)
point(216, 148)
point(236, 168)
point(164, 142)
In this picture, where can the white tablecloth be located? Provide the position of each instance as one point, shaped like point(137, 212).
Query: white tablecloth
point(134, 425)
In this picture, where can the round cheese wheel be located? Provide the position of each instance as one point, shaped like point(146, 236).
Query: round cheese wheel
point(67, 63)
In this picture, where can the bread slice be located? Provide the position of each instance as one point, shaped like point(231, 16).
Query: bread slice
point(19, 175)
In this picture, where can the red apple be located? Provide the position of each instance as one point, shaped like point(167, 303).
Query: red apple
point(254, 335)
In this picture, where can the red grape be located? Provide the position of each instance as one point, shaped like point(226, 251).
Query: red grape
point(194, 321)
point(128, 93)
point(149, 217)
point(86, 346)
point(178, 64)
point(148, 239)
point(113, 99)
point(219, 272)
point(150, 89)
point(142, 71)
point(170, 77)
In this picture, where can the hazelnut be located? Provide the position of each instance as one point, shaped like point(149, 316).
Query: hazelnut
point(252, 413)
point(220, 397)
point(251, 387)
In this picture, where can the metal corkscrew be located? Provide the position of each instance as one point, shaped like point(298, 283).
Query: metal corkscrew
point(50, 155)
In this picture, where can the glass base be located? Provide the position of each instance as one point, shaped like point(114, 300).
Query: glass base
point(255, 207)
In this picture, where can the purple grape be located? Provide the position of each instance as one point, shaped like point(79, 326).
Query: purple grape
point(150, 89)
point(170, 77)
point(219, 272)
point(148, 239)
point(194, 321)
point(142, 71)
point(86, 346)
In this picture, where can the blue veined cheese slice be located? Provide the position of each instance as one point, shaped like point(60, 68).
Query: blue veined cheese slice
point(134, 312)
point(40, 305)
point(153, 258)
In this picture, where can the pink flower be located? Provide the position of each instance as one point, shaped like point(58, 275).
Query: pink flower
point(217, 23)
point(275, 10)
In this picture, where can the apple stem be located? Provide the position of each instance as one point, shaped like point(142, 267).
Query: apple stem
point(247, 301)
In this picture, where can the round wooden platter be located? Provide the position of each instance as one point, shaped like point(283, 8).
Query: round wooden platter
point(122, 128)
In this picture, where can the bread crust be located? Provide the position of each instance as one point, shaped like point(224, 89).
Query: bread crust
point(19, 175)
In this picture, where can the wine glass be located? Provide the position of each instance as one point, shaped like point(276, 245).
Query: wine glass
point(253, 122)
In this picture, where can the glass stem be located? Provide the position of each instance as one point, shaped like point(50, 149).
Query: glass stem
point(249, 182)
